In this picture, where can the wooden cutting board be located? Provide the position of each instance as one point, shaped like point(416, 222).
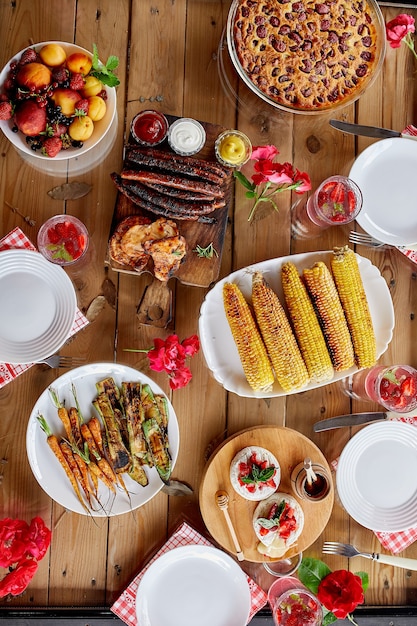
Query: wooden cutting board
point(290, 448)
point(195, 270)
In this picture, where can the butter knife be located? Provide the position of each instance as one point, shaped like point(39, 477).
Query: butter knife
point(368, 131)
point(354, 419)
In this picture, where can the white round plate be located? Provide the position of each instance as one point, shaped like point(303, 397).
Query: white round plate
point(38, 306)
point(46, 467)
point(216, 338)
point(376, 476)
point(193, 585)
point(101, 127)
point(384, 172)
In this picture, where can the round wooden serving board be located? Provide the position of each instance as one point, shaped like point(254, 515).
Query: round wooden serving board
point(290, 448)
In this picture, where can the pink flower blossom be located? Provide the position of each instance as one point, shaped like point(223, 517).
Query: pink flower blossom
point(264, 153)
point(398, 29)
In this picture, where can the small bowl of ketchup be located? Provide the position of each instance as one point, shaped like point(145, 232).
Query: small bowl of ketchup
point(149, 128)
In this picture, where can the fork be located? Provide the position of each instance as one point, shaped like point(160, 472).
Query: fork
point(363, 239)
point(344, 549)
point(56, 360)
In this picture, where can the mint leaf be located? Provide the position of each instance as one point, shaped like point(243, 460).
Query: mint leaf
point(311, 572)
point(104, 73)
point(364, 578)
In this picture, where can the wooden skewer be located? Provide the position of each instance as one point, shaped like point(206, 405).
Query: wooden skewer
point(222, 500)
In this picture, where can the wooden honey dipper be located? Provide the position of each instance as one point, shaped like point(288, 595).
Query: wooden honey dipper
point(222, 500)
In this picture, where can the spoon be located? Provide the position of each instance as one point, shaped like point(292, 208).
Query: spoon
point(311, 476)
point(222, 500)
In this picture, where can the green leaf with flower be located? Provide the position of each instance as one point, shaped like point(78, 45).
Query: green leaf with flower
point(270, 178)
point(339, 592)
point(400, 30)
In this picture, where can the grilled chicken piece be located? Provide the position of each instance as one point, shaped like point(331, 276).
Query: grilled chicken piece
point(167, 255)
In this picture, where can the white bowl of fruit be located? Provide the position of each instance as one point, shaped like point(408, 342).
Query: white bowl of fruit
point(57, 100)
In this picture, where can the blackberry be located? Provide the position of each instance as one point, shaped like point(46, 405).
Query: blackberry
point(35, 143)
point(55, 115)
point(77, 144)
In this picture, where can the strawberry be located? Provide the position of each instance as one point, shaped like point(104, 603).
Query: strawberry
point(82, 107)
point(77, 81)
point(57, 130)
point(53, 236)
point(60, 74)
point(6, 110)
point(408, 387)
point(71, 249)
point(28, 56)
point(52, 146)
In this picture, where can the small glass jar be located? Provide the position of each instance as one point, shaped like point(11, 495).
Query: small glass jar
point(317, 490)
point(186, 136)
point(63, 239)
point(149, 128)
point(289, 600)
point(233, 148)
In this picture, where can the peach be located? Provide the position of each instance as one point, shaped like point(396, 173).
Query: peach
point(34, 76)
point(92, 87)
point(96, 108)
point(29, 118)
point(79, 63)
point(81, 128)
point(53, 54)
point(66, 99)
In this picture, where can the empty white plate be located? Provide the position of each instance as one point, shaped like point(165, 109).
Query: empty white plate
point(377, 476)
point(38, 306)
point(193, 585)
point(385, 173)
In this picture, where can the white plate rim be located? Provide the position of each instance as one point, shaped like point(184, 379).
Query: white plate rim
point(191, 553)
point(45, 466)
point(385, 150)
point(66, 301)
point(216, 340)
point(17, 140)
point(358, 507)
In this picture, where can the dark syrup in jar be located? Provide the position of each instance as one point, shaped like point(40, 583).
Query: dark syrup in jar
point(318, 488)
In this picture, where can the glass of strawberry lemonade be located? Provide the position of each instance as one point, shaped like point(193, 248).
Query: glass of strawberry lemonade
point(63, 239)
point(394, 387)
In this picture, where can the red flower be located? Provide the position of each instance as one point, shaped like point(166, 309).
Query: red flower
point(398, 28)
point(264, 153)
point(18, 579)
point(37, 539)
point(169, 356)
point(340, 592)
point(12, 541)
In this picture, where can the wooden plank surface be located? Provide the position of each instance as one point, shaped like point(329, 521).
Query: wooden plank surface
point(169, 55)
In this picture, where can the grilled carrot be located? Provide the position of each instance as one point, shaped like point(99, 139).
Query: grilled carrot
point(53, 443)
point(62, 413)
point(102, 463)
point(76, 468)
point(74, 418)
point(96, 469)
point(95, 429)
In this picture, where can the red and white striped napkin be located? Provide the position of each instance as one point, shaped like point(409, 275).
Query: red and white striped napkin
point(125, 605)
point(397, 541)
point(17, 239)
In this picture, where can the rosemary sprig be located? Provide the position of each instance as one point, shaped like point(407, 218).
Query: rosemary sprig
point(207, 252)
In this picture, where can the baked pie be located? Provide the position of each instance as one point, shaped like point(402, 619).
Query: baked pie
point(306, 54)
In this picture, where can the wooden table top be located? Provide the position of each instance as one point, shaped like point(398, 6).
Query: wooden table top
point(169, 56)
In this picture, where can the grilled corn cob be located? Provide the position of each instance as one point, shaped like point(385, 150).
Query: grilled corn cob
point(352, 295)
point(251, 349)
point(323, 293)
point(289, 367)
point(306, 325)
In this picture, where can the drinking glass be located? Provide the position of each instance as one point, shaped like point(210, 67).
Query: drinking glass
point(292, 603)
point(63, 239)
point(394, 387)
point(336, 201)
point(283, 567)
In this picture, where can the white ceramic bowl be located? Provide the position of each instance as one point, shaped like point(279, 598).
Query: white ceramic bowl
point(101, 127)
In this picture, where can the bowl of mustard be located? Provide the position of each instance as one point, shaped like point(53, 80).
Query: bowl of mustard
point(233, 148)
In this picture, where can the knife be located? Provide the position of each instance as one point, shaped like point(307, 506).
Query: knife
point(354, 419)
point(368, 131)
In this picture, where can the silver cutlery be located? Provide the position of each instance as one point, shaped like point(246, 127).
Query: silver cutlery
point(368, 131)
point(57, 360)
point(344, 549)
point(353, 419)
point(363, 239)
